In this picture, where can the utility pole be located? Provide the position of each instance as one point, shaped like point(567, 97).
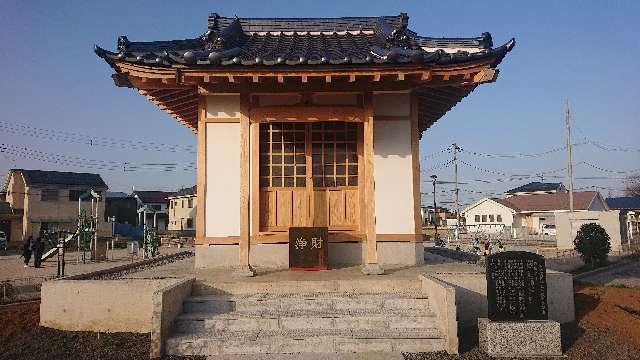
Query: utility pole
point(567, 120)
point(435, 208)
point(455, 164)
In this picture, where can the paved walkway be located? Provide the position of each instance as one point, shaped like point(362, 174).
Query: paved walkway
point(433, 264)
point(624, 276)
point(12, 266)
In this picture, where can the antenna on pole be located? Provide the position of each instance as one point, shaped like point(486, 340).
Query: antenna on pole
point(567, 121)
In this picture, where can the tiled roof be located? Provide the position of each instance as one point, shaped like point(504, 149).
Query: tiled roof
point(307, 41)
point(537, 186)
point(186, 191)
point(116, 194)
point(624, 203)
point(549, 202)
point(41, 177)
point(153, 197)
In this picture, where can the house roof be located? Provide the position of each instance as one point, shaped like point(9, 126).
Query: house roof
point(153, 197)
point(624, 203)
point(266, 42)
point(186, 191)
point(42, 177)
point(537, 186)
point(116, 195)
point(549, 202)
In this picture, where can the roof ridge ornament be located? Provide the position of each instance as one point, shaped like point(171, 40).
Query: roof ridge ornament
point(123, 43)
point(395, 36)
point(219, 40)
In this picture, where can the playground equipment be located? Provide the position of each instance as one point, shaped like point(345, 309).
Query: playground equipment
point(150, 243)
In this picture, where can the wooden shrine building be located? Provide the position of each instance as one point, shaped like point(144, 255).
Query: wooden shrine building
point(307, 122)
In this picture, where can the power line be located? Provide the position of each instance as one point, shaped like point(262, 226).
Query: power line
point(108, 165)
point(85, 139)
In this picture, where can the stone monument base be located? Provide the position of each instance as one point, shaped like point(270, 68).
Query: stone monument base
point(526, 338)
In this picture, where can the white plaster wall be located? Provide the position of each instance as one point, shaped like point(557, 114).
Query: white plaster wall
point(222, 205)
point(393, 177)
point(223, 106)
point(391, 104)
point(567, 226)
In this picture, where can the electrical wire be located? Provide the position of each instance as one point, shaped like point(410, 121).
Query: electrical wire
point(79, 138)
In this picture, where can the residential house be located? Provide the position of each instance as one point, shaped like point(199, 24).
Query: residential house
point(182, 210)
point(439, 216)
point(152, 208)
point(534, 188)
point(41, 201)
point(121, 208)
point(525, 214)
point(629, 208)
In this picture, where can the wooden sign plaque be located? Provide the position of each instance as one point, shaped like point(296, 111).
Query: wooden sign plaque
point(308, 248)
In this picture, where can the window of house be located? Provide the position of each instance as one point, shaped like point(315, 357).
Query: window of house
point(499, 218)
point(171, 203)
point(189, 223)
point(49, 195)
point(182, 203)
point(484, 218)
point(477, 218)
point(331, 148)
point(190, 203)
point(491, 218)
point(155, 207)
point(74, 195)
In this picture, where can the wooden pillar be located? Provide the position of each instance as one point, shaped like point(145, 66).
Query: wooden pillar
point(245, 267)
point(201, 191)
point(254, 195)
point(415, 160)
point(371, 265)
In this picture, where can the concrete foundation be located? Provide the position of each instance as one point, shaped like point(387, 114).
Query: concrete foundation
point(530, 338)
point(277, 255)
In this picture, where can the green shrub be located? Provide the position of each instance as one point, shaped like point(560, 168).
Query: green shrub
point(593, 244)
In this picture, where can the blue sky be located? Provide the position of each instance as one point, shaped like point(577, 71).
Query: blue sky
point(585, 50)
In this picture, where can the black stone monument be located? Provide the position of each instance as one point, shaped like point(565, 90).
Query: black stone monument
point(516, 286)
point(308, 248)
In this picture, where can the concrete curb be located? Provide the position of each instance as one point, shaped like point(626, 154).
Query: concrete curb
point(167, 305)
point(94, 275)
point(603, 269)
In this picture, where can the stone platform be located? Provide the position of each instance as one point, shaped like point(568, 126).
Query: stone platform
point(528, 338)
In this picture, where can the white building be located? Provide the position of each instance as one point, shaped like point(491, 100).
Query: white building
point(182, 210)
point(525, 214)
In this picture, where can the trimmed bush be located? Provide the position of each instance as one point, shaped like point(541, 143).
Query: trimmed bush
point(593, 244)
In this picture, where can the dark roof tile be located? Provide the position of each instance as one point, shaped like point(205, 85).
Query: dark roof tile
point(624, 203)
point(307, 41)
point(41, 177)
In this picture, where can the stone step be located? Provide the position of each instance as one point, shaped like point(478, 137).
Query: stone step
point(362, 286)
point(203, 322)
point(324, 304)
point(424, 341)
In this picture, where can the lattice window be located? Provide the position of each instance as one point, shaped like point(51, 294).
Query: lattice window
point(282, 155)
point(334, 154)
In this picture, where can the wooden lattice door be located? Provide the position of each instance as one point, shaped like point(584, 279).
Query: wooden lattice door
point(309, 175)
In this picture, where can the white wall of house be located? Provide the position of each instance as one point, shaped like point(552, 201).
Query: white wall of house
point(393, 172)
point(222, 201)
point(182, 213)
point(489, 216)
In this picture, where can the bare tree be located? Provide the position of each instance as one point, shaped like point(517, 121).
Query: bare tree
point(632, 185)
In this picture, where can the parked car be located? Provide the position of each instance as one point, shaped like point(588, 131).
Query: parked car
point(3, 241)
point(548, 229)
